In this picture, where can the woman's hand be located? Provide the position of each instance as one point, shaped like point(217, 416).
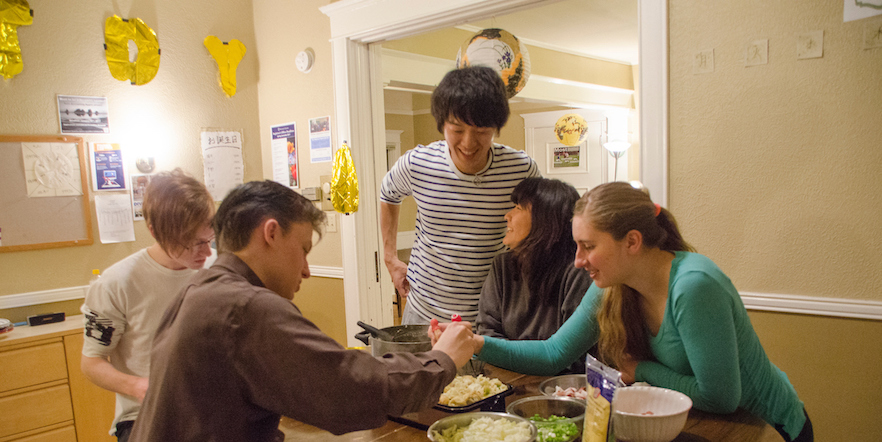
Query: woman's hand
point(456, 339)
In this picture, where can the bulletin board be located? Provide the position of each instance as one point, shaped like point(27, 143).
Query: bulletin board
point(44, 193)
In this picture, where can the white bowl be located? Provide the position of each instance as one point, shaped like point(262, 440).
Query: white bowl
point(633, 422)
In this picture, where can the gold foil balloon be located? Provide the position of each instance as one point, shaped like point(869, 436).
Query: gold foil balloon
point(117, 33)
point(13, 13)
point(227, 56)
point(500, 50)
point(571, 129)
point(344, 183)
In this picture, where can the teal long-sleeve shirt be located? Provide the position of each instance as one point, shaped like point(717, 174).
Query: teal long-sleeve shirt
point(706, 348)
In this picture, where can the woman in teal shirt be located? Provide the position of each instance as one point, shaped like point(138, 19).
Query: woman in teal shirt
point(660, 314)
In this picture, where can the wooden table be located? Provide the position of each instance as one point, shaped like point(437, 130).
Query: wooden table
point(700, 426)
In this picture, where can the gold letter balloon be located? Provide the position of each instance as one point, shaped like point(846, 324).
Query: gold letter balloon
point(117, 33)
point(13, 13)
point(227, 56)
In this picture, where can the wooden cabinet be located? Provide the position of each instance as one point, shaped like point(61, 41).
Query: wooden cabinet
point(43, 394)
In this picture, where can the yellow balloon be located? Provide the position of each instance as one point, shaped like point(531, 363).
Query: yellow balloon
point(227, 55)
point(117, 33)
point(344, 184)
point(571, 129)
point(13, 13)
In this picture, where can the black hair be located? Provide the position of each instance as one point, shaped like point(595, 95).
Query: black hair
point(549, 248)
point(474, 95)
point(249, 204)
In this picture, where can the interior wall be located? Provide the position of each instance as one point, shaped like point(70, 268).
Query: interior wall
point(63, 54)
point(282, 29)
point(774, 175)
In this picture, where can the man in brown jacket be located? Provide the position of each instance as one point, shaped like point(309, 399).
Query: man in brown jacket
point(233, 353)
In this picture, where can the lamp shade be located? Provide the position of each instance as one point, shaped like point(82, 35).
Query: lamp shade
point(571, 129)
point(501, 51)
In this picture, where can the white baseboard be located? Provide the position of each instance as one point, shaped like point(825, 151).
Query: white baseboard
point(770, 302)
point(326, 272)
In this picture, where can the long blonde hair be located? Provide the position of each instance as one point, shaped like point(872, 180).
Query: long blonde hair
point(618, 208)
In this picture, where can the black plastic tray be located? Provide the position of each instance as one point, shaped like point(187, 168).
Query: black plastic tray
point(489, 403)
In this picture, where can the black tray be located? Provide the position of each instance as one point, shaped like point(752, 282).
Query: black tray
point(489, 403)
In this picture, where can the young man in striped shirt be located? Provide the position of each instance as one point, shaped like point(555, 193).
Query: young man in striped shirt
point(462, 187)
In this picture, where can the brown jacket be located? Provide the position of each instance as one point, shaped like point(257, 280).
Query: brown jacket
point(230, 357)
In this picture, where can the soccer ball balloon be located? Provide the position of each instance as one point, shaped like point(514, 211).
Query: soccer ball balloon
point(500, 50)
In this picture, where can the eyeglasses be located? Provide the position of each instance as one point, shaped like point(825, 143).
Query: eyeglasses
point(198, 245)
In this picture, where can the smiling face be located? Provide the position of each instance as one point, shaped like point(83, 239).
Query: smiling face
point(469, 145)
point(519, 221)
point(598, 253)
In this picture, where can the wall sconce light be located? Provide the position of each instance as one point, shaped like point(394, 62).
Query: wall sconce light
point(145, 164)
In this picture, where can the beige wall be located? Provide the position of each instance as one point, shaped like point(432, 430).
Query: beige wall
point(63, 54)
point(282, 29)
point(774, 174)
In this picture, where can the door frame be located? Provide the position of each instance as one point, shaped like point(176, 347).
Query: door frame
point(358, 105)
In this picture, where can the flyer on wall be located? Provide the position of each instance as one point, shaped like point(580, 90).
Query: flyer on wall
point(284, 154)
point(83, 115)
point(139, 188)
point(320, 140)
point(108, 170)
point(222, 161)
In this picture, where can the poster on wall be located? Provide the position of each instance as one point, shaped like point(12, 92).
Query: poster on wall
point(855, 10)
point(320, 140)
point(51, 169)
point(139, 188)
point(108, 171)
point(222, 161)
point(114, 218)
point(284, 154)
point(566, 156)
point(83, 115)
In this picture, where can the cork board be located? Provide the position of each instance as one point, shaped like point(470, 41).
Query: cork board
point(44, 193)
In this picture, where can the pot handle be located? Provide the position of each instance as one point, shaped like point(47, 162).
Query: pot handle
point(363, 336)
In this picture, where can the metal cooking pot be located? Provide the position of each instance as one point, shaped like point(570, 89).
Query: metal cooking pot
point(404, 338)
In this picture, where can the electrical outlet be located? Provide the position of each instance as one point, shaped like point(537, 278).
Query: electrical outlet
point(326, 193)
point(331, 221)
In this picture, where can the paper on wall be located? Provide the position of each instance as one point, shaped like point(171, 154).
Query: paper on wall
point(114, 212)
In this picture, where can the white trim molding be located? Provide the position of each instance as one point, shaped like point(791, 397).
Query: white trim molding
point(43, 297)
point(326, 272)
point(811, 305)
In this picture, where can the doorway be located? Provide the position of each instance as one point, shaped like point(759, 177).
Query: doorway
point(355, 25)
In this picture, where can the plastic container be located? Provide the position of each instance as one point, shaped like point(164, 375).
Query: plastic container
point(489, 403)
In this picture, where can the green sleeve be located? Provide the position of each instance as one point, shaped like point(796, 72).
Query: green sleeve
point(703, 315)
point(574, 338)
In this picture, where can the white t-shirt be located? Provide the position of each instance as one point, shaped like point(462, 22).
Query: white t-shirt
point(460, 223)
point(122, 311)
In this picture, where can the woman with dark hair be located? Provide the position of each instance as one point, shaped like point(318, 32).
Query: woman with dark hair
point(533, 288)
point(659, 313)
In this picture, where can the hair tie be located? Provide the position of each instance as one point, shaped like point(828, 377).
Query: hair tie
point(657, 209)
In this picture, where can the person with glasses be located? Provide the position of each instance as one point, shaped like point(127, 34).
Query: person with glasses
point(123, 308)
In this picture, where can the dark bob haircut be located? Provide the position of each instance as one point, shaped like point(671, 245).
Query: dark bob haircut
point(474, 95)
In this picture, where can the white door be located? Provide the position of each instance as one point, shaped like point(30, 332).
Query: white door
point(584, 166)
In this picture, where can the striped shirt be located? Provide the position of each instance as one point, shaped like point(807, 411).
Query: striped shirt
point(460, 223)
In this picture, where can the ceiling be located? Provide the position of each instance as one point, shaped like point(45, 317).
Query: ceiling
point(604, 29)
